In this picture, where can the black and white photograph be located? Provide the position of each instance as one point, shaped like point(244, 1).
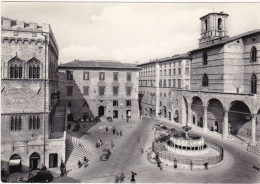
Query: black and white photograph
point(130, 92)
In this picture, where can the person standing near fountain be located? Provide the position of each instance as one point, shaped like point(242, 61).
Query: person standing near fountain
point(191, 164)
point(175, 163)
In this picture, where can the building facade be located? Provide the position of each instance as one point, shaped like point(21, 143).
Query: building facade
point(224, 95)
point(29, 78)
point(99, 88)
point(160, 83)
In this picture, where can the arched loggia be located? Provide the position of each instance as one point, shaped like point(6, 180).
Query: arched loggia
point(197, 107)
point(215, 114)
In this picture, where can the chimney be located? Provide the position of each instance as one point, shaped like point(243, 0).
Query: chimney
point(33, 25)
point(20, 24)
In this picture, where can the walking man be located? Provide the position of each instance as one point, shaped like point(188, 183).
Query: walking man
point(175, 163)
point(142, 150)
point(112, 144)
point(133, 177)
point(191, 164)
point(206, 166)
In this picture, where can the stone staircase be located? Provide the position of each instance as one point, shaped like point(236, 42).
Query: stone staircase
point(254, 148)
point(76, 149)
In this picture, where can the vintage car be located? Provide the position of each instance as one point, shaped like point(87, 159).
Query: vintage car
point(105, 154)
point(41, 176)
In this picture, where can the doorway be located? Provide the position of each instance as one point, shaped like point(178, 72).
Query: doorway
point(101, 111)
point(53, 160)
point(15, 163)
point(34, 161)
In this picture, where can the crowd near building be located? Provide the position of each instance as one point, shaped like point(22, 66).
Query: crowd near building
point(29, 82)
point(93, 89)
point(214, 88)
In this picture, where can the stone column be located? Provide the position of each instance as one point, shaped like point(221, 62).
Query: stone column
point(225, 125)
point(205, 123)
point(189, 114)
point(253, 129)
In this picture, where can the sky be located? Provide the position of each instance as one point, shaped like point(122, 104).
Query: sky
point(129, 32)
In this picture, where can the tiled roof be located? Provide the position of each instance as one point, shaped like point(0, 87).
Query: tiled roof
point(229, 39)
point(99, 64)
point(178, 56)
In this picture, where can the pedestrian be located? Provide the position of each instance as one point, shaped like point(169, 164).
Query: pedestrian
point(43, 168)
point(133, 177)
point(112, 144)
point(138, 139)
point(85, 164)
point(206, 166)
point(156, 157)
point(175, 163)
point(116, 179)
point(127, 119)
point(79, 163)
point(120, 133)
point(191, 164)
point(62, 166)
point(122, 177)
point(142, 150)
point(106, 129)
point(84, 158)
point(3, 172)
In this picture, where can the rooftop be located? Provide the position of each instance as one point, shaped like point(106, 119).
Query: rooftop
point(175, 57)
point(107, 64)
point(230, 39)
point(213, 13)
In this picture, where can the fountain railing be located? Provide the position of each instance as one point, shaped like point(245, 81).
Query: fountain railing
point(186, 159)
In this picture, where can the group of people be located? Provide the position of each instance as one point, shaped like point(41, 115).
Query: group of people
point(84, 163)
point(120, 178)
point(115, 131)
point(99, 143)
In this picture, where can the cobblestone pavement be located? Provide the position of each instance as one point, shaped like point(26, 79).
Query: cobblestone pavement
point(126, 156)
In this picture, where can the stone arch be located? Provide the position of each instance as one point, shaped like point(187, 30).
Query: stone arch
point(25, 40)
point(5, 39)
point(32, 41)
point(215, 113)
point(197, 107)
point(239, 118)
point(12, 39)
point(35, 161)
point(15, 163)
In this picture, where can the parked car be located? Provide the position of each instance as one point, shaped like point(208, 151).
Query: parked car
point(105, 154)
point(42, 176)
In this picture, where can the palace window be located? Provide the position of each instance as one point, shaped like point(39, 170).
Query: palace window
point(205, 58)
point(16, 123)
point(253, 54)
point(69, 90)
point(34, 69)
point(253, 84)
point(101, 75)
point(115, 103)
point(128, 103)
point(219, 24)
point(115, 90)
point(129, 76)
point(16, 68)
point(86, 75)
point(205, 80)
point(101, 90)
point(128, 91)
point(34, 122)
point(85, 90)
point(69, 75)
point(115, 76)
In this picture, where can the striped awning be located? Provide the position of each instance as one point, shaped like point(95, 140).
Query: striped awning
point(15, 162)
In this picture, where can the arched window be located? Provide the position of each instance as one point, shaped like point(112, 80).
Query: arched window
point(219, 24)
point(15, 68)
point(253, 54)
point(253, 84)
point(205, 58)
point(34, 68)
point(205, 80)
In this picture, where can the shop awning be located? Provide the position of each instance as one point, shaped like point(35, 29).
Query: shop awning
point(15, 162)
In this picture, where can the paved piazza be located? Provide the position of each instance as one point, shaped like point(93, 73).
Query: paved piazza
point(237, 166)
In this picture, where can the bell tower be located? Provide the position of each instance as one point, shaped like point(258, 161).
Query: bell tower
point(213, 28)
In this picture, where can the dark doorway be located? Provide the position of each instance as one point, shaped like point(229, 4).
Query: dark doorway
point(101, 111)
point(85, 116)
point(34, 161)
point(15, 164)
point(53, 160)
